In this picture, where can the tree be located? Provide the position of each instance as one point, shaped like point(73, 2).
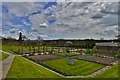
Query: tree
point(88, 51)
point(69, 44)
point(118, 52)
point(24, 37)
point(39, 38)
point(94, 49)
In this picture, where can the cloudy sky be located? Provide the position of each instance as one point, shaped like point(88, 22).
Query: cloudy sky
point(60, 20)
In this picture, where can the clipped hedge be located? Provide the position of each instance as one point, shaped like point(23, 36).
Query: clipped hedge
point(29, 58)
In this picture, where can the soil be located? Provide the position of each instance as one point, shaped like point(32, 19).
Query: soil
point(45, 57)
point(100, 60)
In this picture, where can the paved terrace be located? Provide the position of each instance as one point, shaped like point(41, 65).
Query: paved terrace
point(6, 64)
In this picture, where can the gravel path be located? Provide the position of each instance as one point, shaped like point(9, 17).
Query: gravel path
point(6, 64)
point(90, 75)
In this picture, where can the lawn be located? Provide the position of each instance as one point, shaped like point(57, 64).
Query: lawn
point(80, 68)
point(3, 55)
point(12, 49)
point(22, 68)
point(109, 73)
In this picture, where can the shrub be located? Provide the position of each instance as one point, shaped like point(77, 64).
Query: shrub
point(88, 51)
point(67, 51)
point(29, 58)
point(94, 49)
point(117, 56)
point(50, 52)
point(118, 52)
point(25, 56)
point(17, 52)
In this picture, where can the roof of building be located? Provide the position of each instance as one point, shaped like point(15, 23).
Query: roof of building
point(107, 44)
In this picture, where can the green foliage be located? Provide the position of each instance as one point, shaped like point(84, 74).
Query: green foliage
point(118, 52)
point(29, 58)
point(50, 52)
point(89, 51)
point(94, 49)
point(67, 51)
point(3, 55)
point(117, 56)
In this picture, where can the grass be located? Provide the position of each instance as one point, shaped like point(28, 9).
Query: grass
point(11, 49)
point(80, 68)
point(3, 56)
point(109, 73)
point(8, 48)
point(22, 68)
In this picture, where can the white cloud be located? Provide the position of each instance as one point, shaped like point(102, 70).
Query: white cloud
point(12, 31)
point(37, 19)
point(44, 25)
point(73, 20)
point(26, 23)
point(109, 20)
point(22, 8)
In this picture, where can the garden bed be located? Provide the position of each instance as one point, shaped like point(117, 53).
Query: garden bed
point(45, 57)
point(100, 60)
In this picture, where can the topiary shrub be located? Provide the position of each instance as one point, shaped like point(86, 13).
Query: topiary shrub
point(29, 58)
point(50, 52)
point(67, 51)
point(94, 49)
point(118, 52)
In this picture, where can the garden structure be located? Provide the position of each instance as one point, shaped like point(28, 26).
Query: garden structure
point(108, 48)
